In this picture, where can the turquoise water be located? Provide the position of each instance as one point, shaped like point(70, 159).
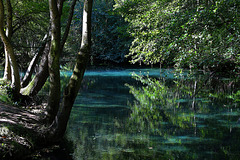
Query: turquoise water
point(108, 123)
point(105, 125)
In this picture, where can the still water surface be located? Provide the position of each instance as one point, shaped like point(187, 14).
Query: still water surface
point(105, 126)
point(102, 125)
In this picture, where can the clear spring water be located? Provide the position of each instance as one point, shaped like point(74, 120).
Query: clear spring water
point(102, 124)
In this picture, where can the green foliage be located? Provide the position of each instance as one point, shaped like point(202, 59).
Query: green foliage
point(4, 90)
point(194, 34)
point(146, 28)
point(155, 93)
point(110, 42)
point(235, 96)
point(8, 96)
point(30, 24)
point(153, 105)
point(176, 102)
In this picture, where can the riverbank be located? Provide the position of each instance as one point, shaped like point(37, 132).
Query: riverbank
point(18, 128)
point(20, 131)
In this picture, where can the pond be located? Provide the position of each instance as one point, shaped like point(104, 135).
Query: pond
point(107, 123)
point(186, 119)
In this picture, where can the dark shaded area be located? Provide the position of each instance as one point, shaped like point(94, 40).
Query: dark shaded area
point(16, 125)
point(19, 131)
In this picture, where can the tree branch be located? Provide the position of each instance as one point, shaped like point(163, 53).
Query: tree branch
point(71, 12)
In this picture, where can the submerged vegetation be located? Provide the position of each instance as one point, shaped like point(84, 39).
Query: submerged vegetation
point(163, 120)
point(183, 110)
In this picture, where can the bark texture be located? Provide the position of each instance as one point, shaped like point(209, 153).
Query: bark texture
point(7, 68)
point(9, 32)
point(53, 60)
point(40, 78)
point(15, 78)
point(70, 16)
point(58, 128)
point(33, 63)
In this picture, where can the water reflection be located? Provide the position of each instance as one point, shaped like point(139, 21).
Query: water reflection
point(165, 118)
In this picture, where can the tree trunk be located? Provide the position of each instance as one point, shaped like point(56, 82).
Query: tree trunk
point(13, 63)
point(1, 50)
point(7, 69)
point(65, 35)
point(9, 31)
point(10, 53)
point(58, 128)
point(29, 72)
point(39, 79)
point(53, 61)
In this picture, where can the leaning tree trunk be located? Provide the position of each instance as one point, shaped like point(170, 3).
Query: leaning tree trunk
point(33, 63)
point(8, 46)
point(58, 128)
point(70, 16)
point(39, 79)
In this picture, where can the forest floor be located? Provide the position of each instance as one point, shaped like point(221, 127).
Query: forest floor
point(17, 129)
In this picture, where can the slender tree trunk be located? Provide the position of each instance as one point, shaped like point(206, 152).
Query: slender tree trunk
point(40, 78)
point(58, 128)
point(53, 60)
point(60, 6)
point(70, 16)
point(9, 32)
point(13, 63)
point(1, 50)
point(29, 72)
point(9, 49)
point(7, 69)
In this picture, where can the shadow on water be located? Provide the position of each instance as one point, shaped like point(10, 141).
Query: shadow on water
point(158, 122)
point(186, 117)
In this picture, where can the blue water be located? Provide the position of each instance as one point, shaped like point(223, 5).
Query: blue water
point(105, 125)
point(108, 123)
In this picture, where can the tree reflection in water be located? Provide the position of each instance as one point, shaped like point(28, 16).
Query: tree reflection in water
point(186, 117)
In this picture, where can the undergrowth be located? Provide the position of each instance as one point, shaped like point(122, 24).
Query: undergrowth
point(5, 95)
